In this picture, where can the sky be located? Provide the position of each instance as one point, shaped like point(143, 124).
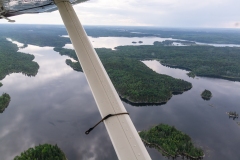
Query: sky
point(159, 13)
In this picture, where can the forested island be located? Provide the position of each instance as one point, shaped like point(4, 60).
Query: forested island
point(133, 80)
point(206, 95)
point(42, 152)
point(170, 142)
point(4, 101)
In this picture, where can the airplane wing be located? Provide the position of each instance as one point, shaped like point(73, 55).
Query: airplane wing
point(10, 8)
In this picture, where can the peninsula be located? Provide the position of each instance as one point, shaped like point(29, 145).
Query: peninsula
point(170, 142)
point(206, 95)
point(42, 152)
point(134, 81)
point(13, 61)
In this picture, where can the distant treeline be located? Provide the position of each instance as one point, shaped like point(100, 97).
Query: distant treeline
point(133, 80)
point(40, 35)
point(49, 35)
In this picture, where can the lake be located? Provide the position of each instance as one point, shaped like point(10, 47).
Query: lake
point(112, 42)
point(56, 106)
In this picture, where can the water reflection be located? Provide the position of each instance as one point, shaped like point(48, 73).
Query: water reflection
point(54, 107)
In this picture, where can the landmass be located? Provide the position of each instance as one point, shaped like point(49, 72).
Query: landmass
point(74, 65)
point(134, 42)
point(140, 41)
point(170, 142)
point(134, 81)
point(42, 152)
point(206, 61)
point(49, 35)
point(191, 74)
point(4, 101)
point(39, 35)
point(13, 61)
point(206, 95)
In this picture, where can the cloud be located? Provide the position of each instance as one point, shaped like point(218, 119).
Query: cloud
point(165, 13)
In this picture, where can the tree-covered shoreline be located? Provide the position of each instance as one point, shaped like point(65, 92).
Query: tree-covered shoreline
point(133, 80)
point(206, 95)
point(170, 142)
point(205, 61)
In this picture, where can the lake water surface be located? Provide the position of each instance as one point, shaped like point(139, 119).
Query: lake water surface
point(57, 107)
point(112, 42)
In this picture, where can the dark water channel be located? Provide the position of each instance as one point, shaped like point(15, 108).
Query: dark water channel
point(57, 107)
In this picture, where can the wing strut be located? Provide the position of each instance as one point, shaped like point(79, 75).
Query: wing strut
point(126, 141)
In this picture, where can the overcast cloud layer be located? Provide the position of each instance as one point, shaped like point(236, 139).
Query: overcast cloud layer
point(163, 13)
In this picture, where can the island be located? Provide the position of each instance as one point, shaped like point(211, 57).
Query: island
point(134, 42)
point(135, 83)
point(4, 101)
point(170, 142)
point(140, 41)
point(42, 152)
point(206, 95)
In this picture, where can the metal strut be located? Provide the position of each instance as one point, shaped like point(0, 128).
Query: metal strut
point(123, 134)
